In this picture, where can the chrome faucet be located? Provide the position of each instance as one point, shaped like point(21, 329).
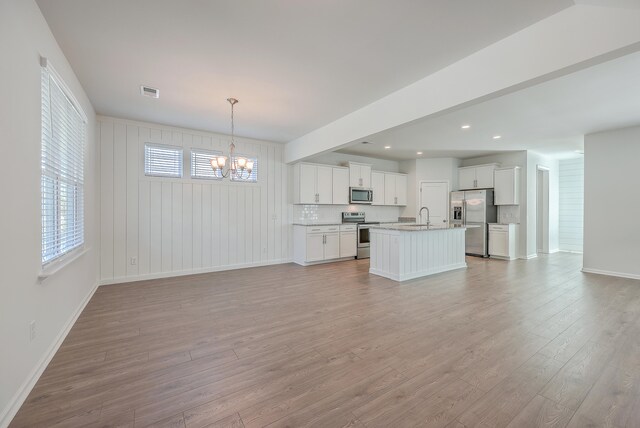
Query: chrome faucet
point(428, 215)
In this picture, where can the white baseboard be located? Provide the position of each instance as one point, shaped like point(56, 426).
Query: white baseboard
point(529, 257)
point(610, 273)
point(171, 274)
point(571, 251)
point(23, 392)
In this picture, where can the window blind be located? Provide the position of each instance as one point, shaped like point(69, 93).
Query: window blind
point(62, 169)
point(162, 161)
point(253, 177)
point(201, 164)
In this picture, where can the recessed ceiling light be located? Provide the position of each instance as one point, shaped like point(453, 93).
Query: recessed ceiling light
point(465, 126)
point(419, 153)
point(497, 137)
point(387, 147)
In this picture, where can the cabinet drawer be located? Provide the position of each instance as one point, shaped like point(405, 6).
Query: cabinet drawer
point(499, 227)
point(349, 227)
point(322, 229)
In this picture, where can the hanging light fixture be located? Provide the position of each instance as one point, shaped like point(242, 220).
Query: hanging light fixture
point(239, 168)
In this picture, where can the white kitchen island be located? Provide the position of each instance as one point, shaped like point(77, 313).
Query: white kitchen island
point(401, 252)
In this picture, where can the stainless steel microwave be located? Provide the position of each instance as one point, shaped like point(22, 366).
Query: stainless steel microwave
point(360, 195)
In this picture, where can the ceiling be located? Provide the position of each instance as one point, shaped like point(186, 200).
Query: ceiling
point(550, 118)
point(294, 65)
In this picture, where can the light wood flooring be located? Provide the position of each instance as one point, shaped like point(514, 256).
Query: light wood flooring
point(504, 344)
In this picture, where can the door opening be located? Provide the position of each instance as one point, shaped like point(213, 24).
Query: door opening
point(542, 210)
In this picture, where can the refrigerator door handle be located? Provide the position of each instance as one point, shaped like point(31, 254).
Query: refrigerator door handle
point(464, 212)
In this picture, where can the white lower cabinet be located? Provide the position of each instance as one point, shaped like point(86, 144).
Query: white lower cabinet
point(313, 244)
point(503, 242)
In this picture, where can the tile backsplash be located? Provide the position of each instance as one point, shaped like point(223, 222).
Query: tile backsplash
point(310, 214)
point(509, 214)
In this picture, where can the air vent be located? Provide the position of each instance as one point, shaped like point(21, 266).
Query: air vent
point(149, 92)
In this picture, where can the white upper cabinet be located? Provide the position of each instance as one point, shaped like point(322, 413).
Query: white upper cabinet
point(312, 184)
point(507, 186)
point(307, 181)
point(340, 186)
point(476, 177)
point(377, 184)
point(484, 176)
point(401, 189)
point(466, 178)
point(359, 175)
point(395, 189)
point(324, 184)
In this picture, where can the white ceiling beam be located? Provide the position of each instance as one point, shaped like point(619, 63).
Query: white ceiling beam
point(573, 39)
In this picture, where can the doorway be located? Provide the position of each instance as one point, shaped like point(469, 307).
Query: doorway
point(542, 209)
point(435, 196)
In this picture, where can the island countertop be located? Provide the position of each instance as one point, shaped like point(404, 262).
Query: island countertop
point(413, 227)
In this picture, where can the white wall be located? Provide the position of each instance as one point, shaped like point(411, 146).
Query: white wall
point(425, 170)
point(54, 303)
point(180, 226)
point(571, 183)
point(611, 180)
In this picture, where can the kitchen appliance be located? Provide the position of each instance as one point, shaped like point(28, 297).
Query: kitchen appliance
point(363, 232)
point(360, 195)
point(475, 209)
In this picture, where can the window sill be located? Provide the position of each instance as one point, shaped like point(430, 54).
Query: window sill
point(63, 262)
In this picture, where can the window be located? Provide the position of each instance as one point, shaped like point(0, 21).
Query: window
point(162, 161)
point(253, 177)
point(62, 169)
point(201, 164)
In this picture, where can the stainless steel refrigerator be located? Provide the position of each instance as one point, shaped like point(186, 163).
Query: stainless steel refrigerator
point(474, 208)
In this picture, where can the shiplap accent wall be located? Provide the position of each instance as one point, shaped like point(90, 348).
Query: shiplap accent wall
point(179, 226)
point(571, 204)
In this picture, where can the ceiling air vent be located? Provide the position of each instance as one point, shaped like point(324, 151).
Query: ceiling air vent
point(149, 92)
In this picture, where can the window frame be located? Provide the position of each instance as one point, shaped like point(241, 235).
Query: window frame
point(255, 170)
point(199, 150)
point(166, 147)
point(70, 176)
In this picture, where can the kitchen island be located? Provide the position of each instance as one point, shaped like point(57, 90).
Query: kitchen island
point(406, 251)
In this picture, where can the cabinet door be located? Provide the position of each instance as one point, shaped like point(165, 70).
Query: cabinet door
point(315, 247)
point(401, 189)
point(484, 176)
point(504, 187)
point(354, 175)
point(377, 184)
point(348, 244)
point(365, 175)
point(389, 189)
point(466, 178)
point(332, 246)
point(340, 186)
point(307, 184)
point(324, 184)
point(499, 243)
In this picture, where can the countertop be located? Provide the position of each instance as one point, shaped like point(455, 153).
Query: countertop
point(338, 224)
point(417, 227)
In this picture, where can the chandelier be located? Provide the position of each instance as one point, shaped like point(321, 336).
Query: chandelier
point(239, 168)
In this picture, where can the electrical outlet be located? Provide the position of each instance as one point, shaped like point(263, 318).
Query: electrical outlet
point(32, 331)
point(134, 261)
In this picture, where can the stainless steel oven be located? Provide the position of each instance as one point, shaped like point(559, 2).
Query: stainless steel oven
point(360, 195)
point(364, 243)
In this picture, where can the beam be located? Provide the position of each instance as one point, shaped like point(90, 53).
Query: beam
point(573, 39)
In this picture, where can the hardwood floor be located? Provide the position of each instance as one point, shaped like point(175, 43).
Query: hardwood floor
point(517, 344)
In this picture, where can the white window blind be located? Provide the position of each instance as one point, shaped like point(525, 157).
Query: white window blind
point(201, 164)
point(162, 161)
point(253, 177)
point(62, 164)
